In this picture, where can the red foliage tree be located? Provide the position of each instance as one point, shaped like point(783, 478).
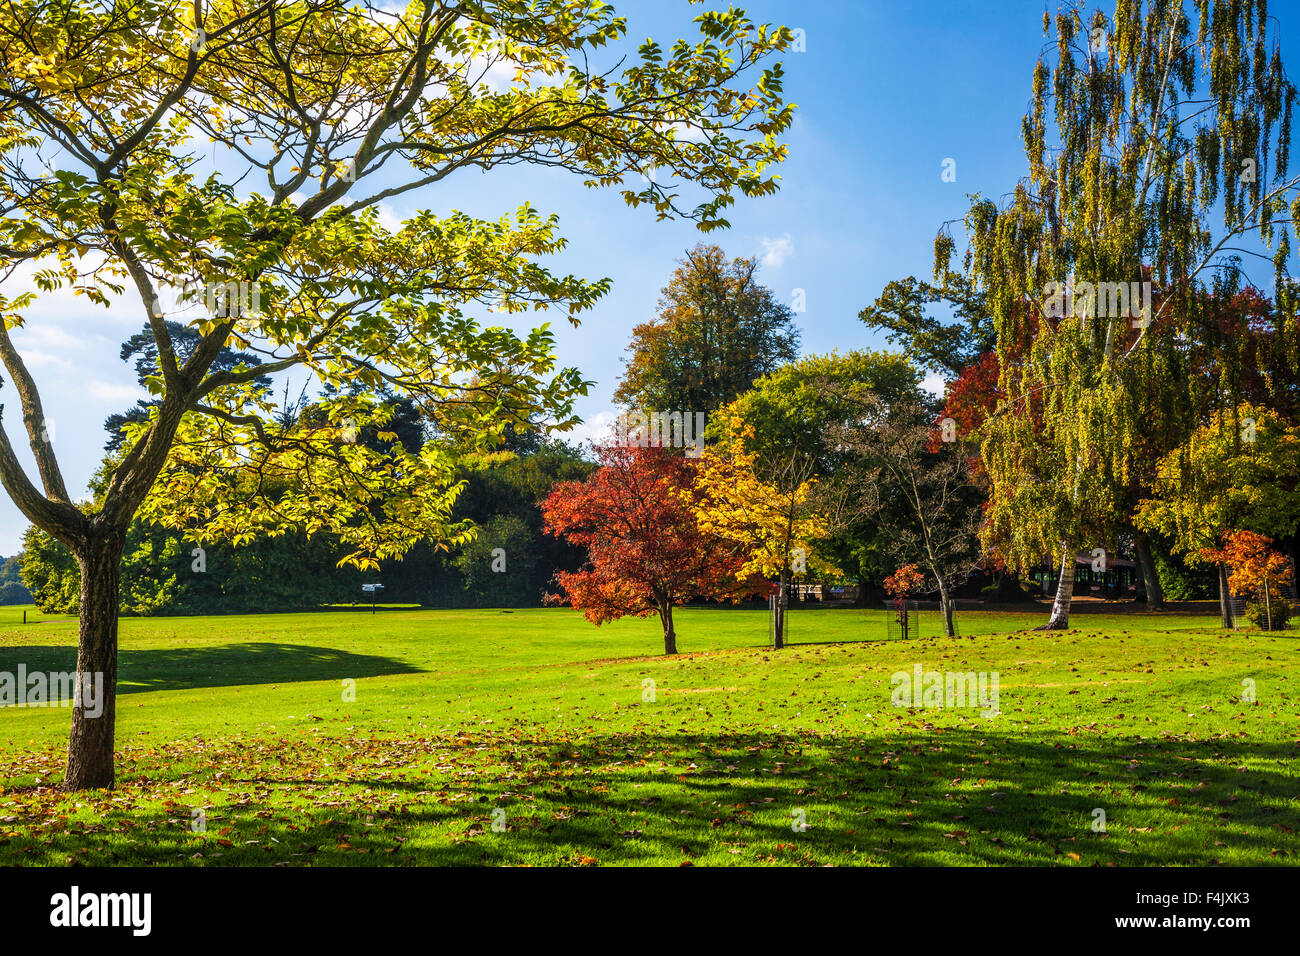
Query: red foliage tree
point(1244, 350)
point(902, 583)
point(975, 394)
point(635, 517)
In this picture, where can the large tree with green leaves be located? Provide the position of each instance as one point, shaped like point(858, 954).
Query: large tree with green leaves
point(1240, 472)
point(718, 330)
point(949, 346)
point(1145, 128)
point(316, 112)
point(790, 410)
point(788, 418)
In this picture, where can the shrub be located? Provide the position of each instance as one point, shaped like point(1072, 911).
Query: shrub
point(1259, 614)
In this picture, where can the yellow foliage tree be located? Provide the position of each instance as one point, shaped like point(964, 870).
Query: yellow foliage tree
point(774, 523)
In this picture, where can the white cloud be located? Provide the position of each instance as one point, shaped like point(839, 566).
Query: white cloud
point(934, 384)
point(44, 335)
point(498, 74)
point(776, 251)
point(34, 358)
point(108, 392)
point(687, 133)
point(597, 428)
point(388, 217)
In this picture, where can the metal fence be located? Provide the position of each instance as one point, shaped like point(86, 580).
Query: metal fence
point(1237, 605)
point(771, 622)
point(902, 623)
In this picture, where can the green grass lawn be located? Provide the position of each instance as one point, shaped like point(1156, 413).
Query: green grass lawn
point(535, 721)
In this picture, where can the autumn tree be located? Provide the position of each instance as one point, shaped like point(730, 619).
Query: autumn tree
point(1257, 571)
point(899, 586)
point(636, 516)
point(1143, 128)
point(315, 113)
point(972, 397)
point(924, 497)
point(768, 512)
point(1234, 356)
point(1211, 356)
point(785, 422)
point(717, 330)
point(1239, 472)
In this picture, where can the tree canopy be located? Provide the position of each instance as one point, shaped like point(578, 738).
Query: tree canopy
point(318, 112)
point(1143, 129)
point(636, 516)
point(717, 331)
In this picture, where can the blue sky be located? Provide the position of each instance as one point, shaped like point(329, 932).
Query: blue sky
point(886, 92)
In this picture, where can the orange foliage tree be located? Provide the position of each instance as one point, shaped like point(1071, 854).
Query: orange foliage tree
point(1255, 570)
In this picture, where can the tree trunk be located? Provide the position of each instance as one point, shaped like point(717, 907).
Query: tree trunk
point(1225, 609)
point(945, 604)
point(90, 744)
point(1060, 619)
point(670, 635)
point(1150, 579)
point(1268, 607)
point(778, 623)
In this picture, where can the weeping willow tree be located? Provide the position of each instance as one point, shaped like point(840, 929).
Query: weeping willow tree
point(1157, 149)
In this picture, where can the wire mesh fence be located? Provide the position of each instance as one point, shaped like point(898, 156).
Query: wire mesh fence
point(910, 621)
point(1270, 615)
point(775, 609)
point(902, 620)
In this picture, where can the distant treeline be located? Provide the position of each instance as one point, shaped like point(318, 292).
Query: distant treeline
point(161, 569)
point(11, 583)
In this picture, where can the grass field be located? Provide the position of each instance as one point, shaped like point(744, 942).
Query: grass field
point(534, 721)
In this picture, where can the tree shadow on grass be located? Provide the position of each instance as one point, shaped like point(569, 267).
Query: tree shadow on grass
point(224, 665)
point(950, 796)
